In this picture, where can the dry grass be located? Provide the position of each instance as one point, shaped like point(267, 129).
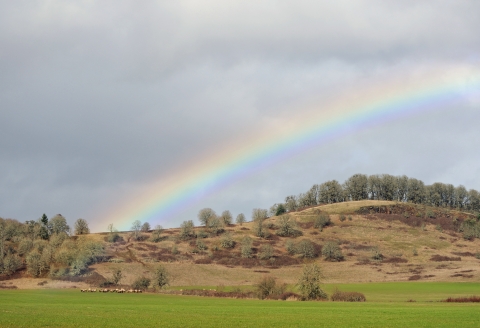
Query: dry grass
point(357, 238)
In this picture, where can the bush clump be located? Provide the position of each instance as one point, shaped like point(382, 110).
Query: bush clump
point(266, 252)
point(246, 249)
point(290, 247)
point(305, 249)
point(227, 241)
point(332, 252)
point(141, 283)
point(339, 296)
point(267, 288)
point(321, 220)
point(286, 227)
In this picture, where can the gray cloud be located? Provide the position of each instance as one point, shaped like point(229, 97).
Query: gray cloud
point(100, 99)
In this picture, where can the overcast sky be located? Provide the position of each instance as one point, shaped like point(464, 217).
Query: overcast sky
point(100, 100)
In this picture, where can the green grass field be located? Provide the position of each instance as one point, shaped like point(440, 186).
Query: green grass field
point(386, 306)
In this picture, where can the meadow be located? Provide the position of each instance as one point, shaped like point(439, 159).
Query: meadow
point(387, 306)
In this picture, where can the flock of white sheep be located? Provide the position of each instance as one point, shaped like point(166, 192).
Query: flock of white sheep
point(106, 290)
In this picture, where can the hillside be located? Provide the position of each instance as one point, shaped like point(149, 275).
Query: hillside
point(380, 241)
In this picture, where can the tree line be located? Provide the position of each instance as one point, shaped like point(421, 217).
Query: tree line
point(382, 187)
point(44, 246)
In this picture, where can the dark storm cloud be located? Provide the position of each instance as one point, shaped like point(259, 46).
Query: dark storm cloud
point(99, 99)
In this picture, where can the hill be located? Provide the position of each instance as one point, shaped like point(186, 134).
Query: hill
point(379, 240)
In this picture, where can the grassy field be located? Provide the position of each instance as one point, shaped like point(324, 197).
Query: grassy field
point(386, 306)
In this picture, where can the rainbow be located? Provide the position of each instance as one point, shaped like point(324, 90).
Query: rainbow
point(287, 136)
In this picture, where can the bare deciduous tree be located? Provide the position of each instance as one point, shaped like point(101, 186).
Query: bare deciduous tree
point(240, 219)
point(81, 227)
point(226, 217)
point(145, 227)
point(205, 215)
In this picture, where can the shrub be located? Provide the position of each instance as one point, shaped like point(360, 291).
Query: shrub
point(113, 237)
point(286, 227)
point(161, 278)
point(227, 241)
point(201, 245)
point(117, 276)
point(471, 299)
point(332, 252)
point(267, 288)
point(309, 283)
point(175, 250)
point(157, 234)
point(266, 252)
point(321, 220)
point(415, 251)
point(305, 249)
point(376, 255)
point(477, 256)
point(186, 229)
point(215, 225)
point(343, 218)
point(430, 214)
point(350, 218)
point(78, 266)
point(339, 296)
point(246, 249)
point(202, 234)
point(290, 247)
point(260, 230)
point(270, 225)
point(141, 283)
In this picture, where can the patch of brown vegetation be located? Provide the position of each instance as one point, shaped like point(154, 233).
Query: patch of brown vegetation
point(214, 293)
point(415, 277)
point(305, 225)
point(204, 260)
point(93, 278)
point(471, 299)
point(440, 258)
point(463, 254)
point(395, 259)
point(462, 275)
point(339, 296)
